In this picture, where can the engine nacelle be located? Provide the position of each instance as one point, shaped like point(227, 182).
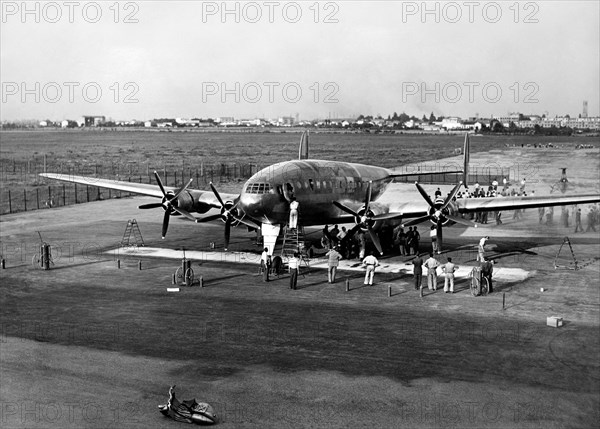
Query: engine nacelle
point(365, 220)
point(435, 213)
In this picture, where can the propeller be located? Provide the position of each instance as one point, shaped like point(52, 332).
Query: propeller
point(169, 204)
point(436, 213)
point(228, 214)
point(363, 221)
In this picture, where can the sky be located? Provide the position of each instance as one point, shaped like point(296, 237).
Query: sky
point(155, 59)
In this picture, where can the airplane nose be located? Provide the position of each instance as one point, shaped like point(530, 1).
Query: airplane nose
point(251, 205)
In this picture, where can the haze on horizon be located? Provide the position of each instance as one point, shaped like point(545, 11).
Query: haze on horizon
point(142, 60)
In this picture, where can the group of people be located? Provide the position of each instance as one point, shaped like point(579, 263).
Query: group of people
point(407, 242)
point(448, 270)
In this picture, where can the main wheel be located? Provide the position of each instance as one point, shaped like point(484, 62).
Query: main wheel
point(485, 286)
point(189, 277)
point(474, 286)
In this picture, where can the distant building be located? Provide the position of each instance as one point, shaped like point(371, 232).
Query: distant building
point(93, 121)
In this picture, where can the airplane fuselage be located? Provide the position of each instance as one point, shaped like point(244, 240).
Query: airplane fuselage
point(315, 184)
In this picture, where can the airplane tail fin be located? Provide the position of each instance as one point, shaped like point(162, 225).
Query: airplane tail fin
point(466, 154)
point(303, 150)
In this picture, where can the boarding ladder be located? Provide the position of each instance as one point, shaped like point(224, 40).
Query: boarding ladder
point(132, 235)
point(293, 241)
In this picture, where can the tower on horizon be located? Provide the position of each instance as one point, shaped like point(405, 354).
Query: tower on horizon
point(585, 111)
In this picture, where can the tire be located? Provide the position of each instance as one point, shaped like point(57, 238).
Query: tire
point(189, 277)
point(474, 286)
point(485, 286)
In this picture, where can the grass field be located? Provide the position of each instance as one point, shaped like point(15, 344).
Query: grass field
point(225, 157)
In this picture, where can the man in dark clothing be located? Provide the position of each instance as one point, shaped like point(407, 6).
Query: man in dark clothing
point(410, 236)
point(418, 271)
point(416, 239)
point(487, 268)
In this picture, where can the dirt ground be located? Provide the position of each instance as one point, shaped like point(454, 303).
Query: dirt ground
point(87, 344)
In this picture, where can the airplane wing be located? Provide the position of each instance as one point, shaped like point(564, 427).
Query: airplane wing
point(205, 198)
point(470, 205)
point(415, 209)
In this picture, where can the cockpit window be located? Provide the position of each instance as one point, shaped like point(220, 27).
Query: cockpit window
point(258, 188)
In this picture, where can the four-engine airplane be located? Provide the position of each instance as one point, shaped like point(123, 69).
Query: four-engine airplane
point(328, 192)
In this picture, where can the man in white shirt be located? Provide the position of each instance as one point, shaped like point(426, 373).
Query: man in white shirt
point(370, 262)
point(449, 269)
point(431, 265)
point(481, 249)
point(293, 265)
point(294, 205)
point(265, 264)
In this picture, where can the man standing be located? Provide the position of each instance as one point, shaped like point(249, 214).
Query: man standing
point(487, 268)
point(294, 205)
point(481, 249)
point(265, 264)
point(410, 236)
point(332, 263)
point(293, 264)
point(433, 236)
point(370, 262)
point(416, 239)
point(418, 271)
point(432, 265)
point(449, 269)
point(578, 225)
point(591, 221)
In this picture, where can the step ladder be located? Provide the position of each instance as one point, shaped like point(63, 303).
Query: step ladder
point(293, 241)
point(132, 235)
point(575, 264)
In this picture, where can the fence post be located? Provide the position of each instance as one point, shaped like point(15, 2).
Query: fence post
point(37, 197)
point(64, 195)
point(25, 198)
point(75, 193)
point(87, 191)
point(9, 202)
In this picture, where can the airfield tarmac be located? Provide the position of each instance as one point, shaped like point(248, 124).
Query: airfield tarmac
point(86, 344)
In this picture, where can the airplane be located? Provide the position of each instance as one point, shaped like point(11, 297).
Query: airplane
point(329, 192)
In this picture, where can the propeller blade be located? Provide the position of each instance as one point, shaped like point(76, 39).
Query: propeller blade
point(368, 198)
point(451, 195)
point(386, 216)
point(209, 218)
point(165, 225)
point(416, 221)
point(375, 240)
point(160, 185)
point(438, 232)
point(424, 194)
point(184, 213)
point(245, 222)
point(461, 221)
point(183, 188)
point(346, 209)
point(227, 231)
point(350, 233)
point(150, 206)
point(217, 195)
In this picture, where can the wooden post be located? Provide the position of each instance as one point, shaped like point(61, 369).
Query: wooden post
point(140, 265)
point(173, 279)
point(3, 264)
point(503, 300)
point(25, 198)
point(118, 263)
point(37, 197)
point(75, 193)
point(87, 191)
point(201, 281)
point(64, 195)
point(347, 285)
point(389, 291)
point(9, 202)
